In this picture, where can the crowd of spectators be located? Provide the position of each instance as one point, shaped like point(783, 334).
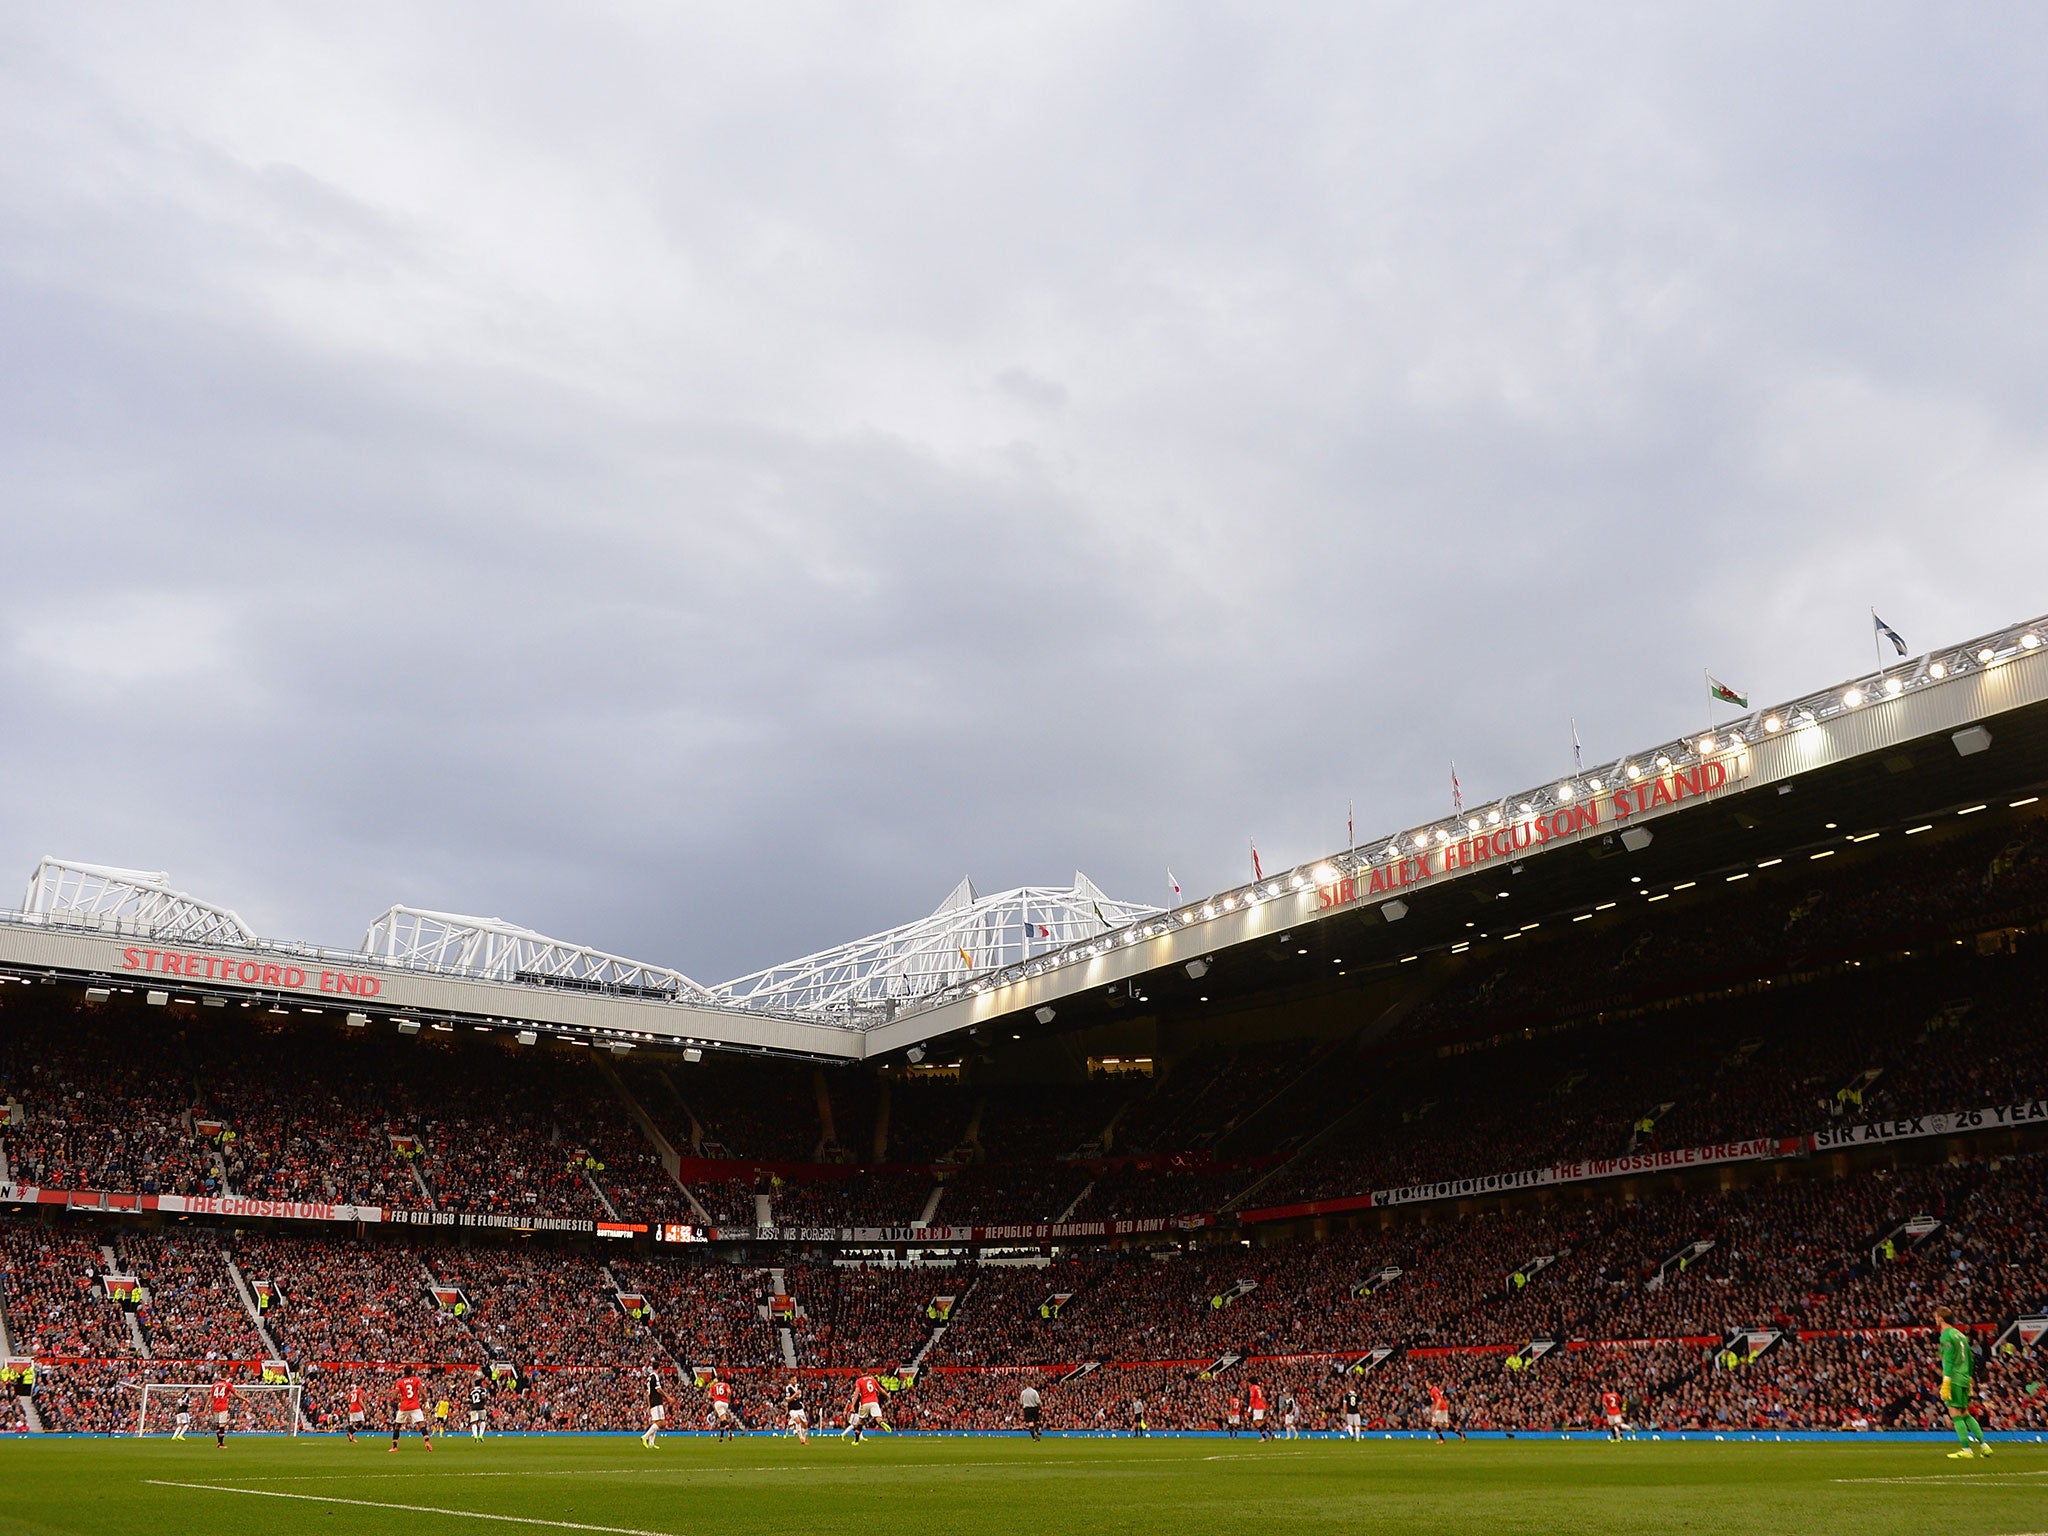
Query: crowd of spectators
point(1833, 1267)
point(706, 1314)
point(104, 1102)
point(545, 1309)
point(304, 1114)
point(1870, 1042)
point(55, 1301)
point(191, 1309)
point(883, 1197)
point(350, 1300)
point(874, 1319)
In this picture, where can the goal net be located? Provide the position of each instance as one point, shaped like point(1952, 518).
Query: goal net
point(274, 1408)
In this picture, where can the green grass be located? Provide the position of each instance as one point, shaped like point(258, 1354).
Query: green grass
point(903, 1487)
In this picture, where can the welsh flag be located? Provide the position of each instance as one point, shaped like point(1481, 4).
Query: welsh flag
point(1720, 690)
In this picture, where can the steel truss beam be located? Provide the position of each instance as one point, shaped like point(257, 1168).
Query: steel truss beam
point(866, 981)
point(135, 901)
point(495, 949)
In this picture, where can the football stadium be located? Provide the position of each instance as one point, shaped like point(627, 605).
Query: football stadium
point(934, 769)
point(1608, 1143)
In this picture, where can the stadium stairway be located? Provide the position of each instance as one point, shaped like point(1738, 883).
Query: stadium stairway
point(671, 1160)
point(248, 1299)
point(134, 1325)
point(653, 1334)
point(931, 1205)
point(29, 1416)
point(783, 1336)
point(420, 1183)
point(916, 1362)
point(485, 1349)
point(604, 1200)
point(1373, 1031)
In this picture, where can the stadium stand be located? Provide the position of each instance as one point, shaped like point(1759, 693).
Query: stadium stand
point(1790, 1287)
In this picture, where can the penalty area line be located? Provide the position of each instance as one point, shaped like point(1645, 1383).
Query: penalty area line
point(416, 1509)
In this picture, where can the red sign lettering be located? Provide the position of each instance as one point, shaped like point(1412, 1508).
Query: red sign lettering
point(254, 973)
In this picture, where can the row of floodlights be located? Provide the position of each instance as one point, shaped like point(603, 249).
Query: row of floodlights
point(1704, 749)
point(621, 1042)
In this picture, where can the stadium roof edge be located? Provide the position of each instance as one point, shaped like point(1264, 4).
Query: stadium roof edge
point(1949, 689)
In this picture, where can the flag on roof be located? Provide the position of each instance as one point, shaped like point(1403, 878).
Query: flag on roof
point(1898, 640)
point(1174, 883)
point(1725, 694)
point(1457, 791)
point(1578, 756)
point(1257, 872)
point(1098, 915)
point(967, 959)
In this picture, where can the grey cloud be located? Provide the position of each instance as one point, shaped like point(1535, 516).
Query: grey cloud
point(699, 484)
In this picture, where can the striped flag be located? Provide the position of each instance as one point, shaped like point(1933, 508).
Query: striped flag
point(966, 959)
point(1257, 873)
point(1457, 791)
point(1885, 631)
point(1720, 690)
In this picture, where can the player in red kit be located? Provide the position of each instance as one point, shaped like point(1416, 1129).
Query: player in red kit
point(1233, 1417)
point(1255, 1399)
point(412, 1409)
point(721, 1407)
point(355, 1410)
point(1610, 1409)
point(867, 1407)
point(1440, 1412)
point(221, 1397)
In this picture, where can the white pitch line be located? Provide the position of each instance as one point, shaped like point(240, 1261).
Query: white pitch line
point(1945, 1477)
point(416, 1509)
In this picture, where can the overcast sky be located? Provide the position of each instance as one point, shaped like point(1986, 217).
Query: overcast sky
point(700, 484)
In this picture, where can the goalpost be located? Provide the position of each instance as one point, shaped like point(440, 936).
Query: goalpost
point(276, 1408)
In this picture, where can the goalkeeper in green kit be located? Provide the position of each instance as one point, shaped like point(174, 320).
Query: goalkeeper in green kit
point(1955, 1387)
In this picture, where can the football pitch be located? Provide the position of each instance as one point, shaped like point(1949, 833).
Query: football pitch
point(1214, 1487)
